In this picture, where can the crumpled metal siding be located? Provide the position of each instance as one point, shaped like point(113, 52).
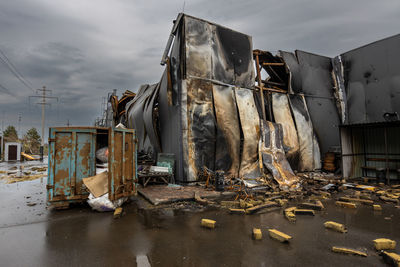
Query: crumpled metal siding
point(273, 155)
point(140, 117)
point(372, 80)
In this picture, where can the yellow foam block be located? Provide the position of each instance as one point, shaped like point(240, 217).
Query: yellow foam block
point(208, 223)
point(349, 251)
point(346, 204)
point(277, 235)
point(257, 234)
point(377, 207)
point(391, 258)
point(117, 212)
point(335, 226)
point(384, 243)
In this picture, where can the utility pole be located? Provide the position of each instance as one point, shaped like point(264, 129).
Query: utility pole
point(19, 124)
point(44, 96)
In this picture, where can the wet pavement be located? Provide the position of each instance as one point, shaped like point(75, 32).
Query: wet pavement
point(36, 236)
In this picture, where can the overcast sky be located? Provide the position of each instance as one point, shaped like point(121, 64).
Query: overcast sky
point(81, 49)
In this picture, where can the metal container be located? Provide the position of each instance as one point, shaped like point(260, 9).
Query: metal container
point(219, 180)
point(72, 158)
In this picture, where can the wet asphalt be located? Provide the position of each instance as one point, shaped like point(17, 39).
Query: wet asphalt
point(32, 235)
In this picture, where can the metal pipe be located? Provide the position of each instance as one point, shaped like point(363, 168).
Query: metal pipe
point(260, 85)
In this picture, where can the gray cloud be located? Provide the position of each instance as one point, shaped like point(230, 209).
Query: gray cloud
point(84, 49)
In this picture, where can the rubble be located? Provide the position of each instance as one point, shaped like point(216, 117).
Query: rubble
point(335, 226)
point(349, 251)
point(384, 243)
point(277, 235)
point(289, 214)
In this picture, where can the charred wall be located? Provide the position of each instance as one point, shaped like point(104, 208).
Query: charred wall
point(372, 81)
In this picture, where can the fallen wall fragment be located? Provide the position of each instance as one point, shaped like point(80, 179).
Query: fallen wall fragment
point(273, 155)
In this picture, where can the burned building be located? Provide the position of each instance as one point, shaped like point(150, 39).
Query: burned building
point(370, 133)
point(203, 102)
point(208, 110)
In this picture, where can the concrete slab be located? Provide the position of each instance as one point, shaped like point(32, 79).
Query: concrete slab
point(164, 194)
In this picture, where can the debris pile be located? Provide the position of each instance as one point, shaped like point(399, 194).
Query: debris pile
point(23, 173)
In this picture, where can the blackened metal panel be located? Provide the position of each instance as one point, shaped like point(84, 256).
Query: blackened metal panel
point(232, 57)
point(372, 80)
point(170, 127)
point(170, 112)
point(198, 48)
point(318, 88)
point(282, 115)
point(201, 133)
point(185, 129)
point(295, 83)
point(309, 156)
point(228, 143)
point(250, 123)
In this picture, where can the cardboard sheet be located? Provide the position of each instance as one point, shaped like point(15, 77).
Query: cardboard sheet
point(98, 184)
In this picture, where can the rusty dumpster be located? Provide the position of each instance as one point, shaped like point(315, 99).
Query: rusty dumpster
point(72, 158)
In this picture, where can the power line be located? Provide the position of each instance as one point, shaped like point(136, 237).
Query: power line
point(7, 62)
point(6, 90)
point(16, 74)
